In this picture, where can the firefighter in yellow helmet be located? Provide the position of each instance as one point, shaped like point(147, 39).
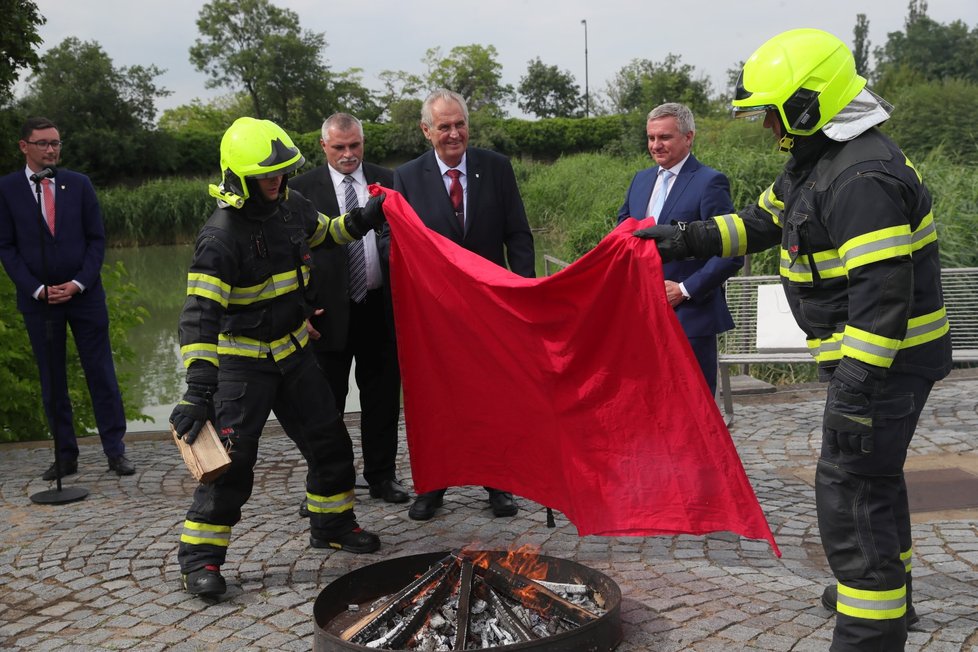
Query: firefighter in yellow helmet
point(860, 267)
point(243, 341)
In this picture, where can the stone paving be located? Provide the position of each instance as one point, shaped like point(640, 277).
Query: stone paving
point(101, 574)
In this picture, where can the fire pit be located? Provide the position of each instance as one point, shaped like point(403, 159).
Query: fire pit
point(467, 600)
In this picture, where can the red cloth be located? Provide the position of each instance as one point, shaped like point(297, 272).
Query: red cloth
point(578, 391)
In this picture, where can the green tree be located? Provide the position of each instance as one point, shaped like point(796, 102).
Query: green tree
point(643, 84)
point(926, 51)
point(214, 115)
point(473, 72)
point(860, 44)
point(19, 41)
point(546, 92)
point(260, 48)
point(105, 114)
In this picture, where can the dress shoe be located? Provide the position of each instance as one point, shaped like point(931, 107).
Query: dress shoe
point(502, 503)
point(206, 582)
point(391, 491)
point(831, 595)
point(425, 505)
point(356, 540)
point(121, 465)
point(68, 467)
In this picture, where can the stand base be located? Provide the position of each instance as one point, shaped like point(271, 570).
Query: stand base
point(59, 496)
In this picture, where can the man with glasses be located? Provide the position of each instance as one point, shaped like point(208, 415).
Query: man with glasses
point(54, 258)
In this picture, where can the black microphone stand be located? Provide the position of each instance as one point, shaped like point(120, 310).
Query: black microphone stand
point(58, 496)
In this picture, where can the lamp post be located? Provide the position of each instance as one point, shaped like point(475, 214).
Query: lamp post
point(587, 95)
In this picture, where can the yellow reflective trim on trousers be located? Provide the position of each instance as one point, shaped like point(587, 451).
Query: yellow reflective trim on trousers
point(200, 533)
point(198, 351)
point(770, 203)
point(926, 328)
point(872, 247)
point(905, 558)
point(733, 235)
point(925, 233)
point(208, 287)
point(868, 347)
point(872, 605)
point(251, 348)
point(335, 504)
point(336, 227)
point(274, 286)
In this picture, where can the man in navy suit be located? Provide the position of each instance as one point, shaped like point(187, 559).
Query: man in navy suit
point(681, 189)
point(55, 263)
point(348, 327)
point(469, 195)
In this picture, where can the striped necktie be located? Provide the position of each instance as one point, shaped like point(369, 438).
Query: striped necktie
point(358, 263)
point(660, 199)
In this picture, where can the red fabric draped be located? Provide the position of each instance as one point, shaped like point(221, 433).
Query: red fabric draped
point(578, 391)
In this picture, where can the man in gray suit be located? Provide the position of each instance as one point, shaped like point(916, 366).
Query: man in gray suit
point(355, 320)
point(469, 195)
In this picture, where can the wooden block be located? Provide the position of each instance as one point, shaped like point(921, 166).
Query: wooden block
point(206, 458)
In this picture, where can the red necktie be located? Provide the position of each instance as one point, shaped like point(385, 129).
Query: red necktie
point(48, 203)
point(455, 193)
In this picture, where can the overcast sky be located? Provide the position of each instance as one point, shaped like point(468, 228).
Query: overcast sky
point(711, 35)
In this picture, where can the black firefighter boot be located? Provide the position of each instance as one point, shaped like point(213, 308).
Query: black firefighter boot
point(205, 582)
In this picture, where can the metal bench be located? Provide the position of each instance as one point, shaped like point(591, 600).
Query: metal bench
point(740, 346)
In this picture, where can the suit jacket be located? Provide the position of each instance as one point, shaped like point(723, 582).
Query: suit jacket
point(74, 252)
point(331, 275)
point(496, 227)
point(698, 193)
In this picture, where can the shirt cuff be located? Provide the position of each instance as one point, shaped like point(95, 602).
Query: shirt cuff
point(682, 288)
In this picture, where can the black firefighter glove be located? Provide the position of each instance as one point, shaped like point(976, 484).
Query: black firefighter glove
point(681, 240)
point(197, 404)
point(848, 419)
point(360, 220)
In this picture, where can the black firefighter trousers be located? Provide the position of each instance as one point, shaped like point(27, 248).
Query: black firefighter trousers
point(248, 390)
point(864, 521)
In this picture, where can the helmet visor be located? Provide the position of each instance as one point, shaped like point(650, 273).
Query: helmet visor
point(752, 111)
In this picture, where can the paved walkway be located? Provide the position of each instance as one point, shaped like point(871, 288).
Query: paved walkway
point(101, 574)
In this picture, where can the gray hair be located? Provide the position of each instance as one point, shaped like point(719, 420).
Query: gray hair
point(680, 112)
point(343, 122)
point(447, 96)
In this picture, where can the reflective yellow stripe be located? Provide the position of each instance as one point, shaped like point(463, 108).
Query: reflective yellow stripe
point(875, 246)
point(335, 226)
point(335, 504)
point(208, 287)
point(911, 166)
point(251, 348)
point(926, 328)
point(733, 235)
point(771, 204)
point(827, 349)
point(869, 348)
point(827, 264)
point(925, 233)
point(200, 533)
point(272, 287)
point(872, 605)
point(905, 558)
point(199, 351)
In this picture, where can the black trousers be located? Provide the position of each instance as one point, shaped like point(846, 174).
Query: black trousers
point(864, 520)
point(248, 390)
point(378, 378)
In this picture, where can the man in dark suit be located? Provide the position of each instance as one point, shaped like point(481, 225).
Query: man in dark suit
point(469, 195)
point(55, 263)
point(355, 320)
point(681, 189)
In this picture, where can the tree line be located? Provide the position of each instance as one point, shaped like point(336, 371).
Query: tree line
point(272, 68)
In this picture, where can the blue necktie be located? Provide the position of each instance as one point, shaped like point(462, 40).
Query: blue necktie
point(660, 199)
point(358, 263)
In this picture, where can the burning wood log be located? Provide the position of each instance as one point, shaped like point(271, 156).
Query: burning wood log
point(533, 595)
point(464, 596)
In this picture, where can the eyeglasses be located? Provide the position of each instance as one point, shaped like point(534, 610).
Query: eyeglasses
point(44, 144)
